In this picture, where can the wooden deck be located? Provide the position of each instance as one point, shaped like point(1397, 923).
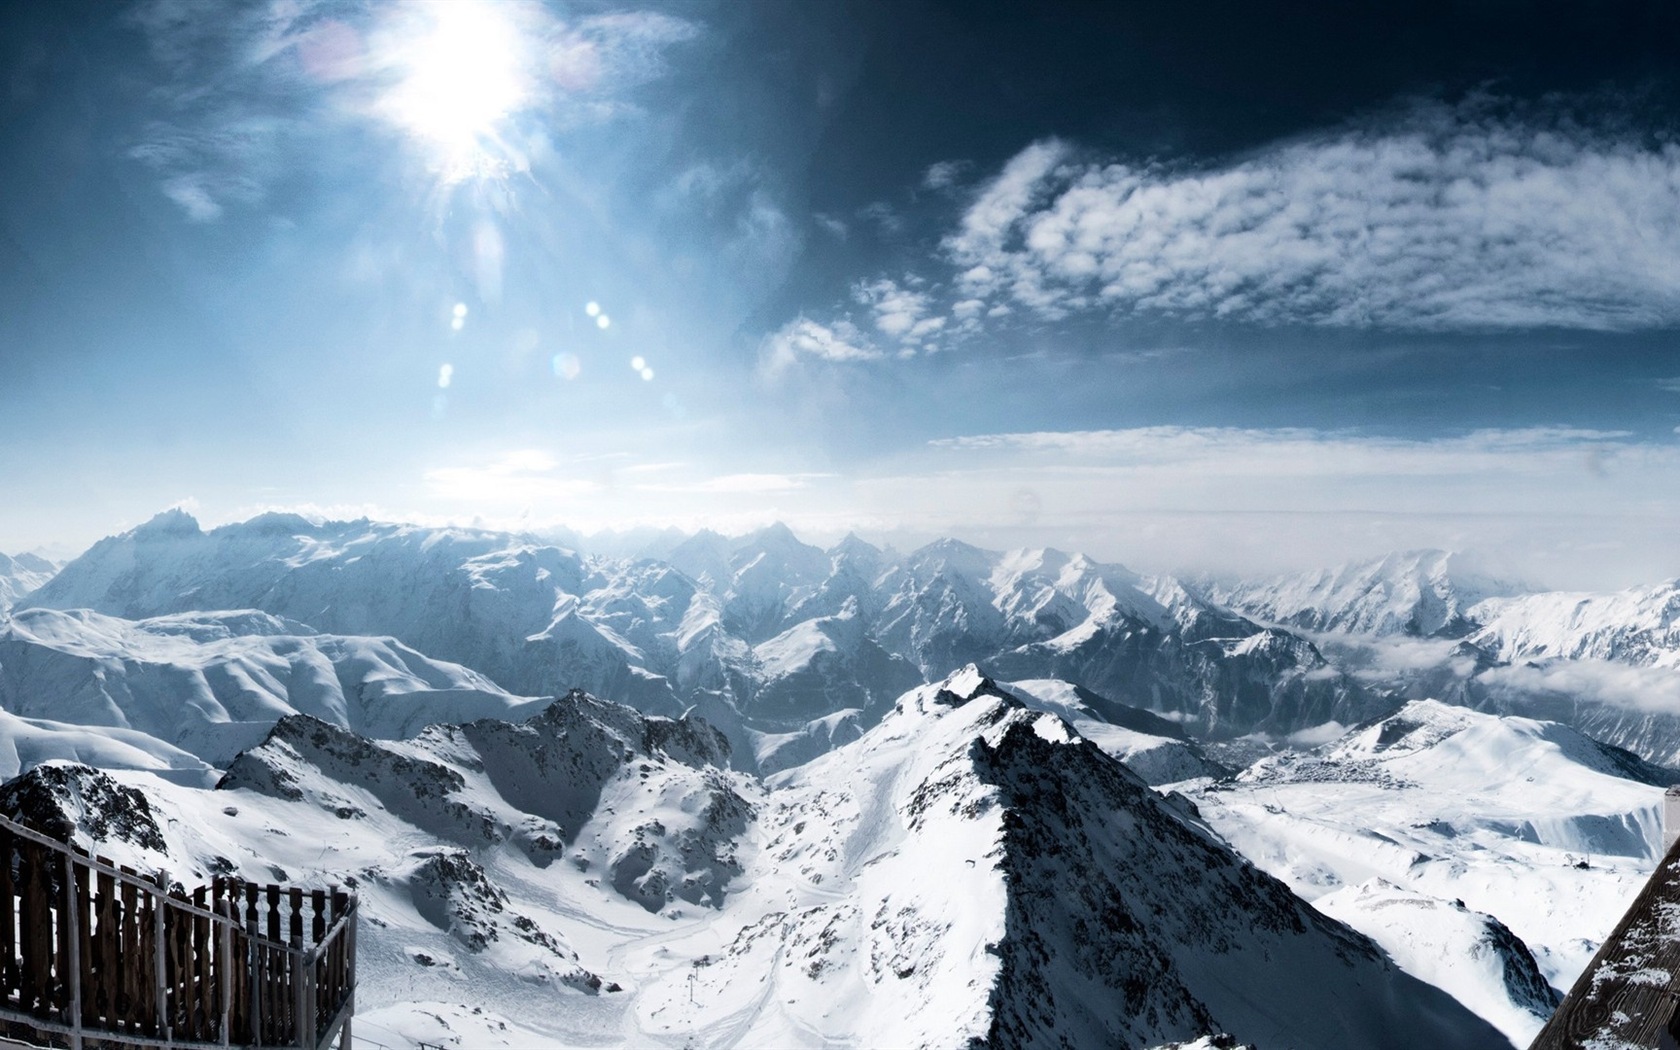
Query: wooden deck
point(94, 954)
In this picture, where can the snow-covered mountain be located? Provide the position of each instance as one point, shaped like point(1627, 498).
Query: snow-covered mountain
point(1425, 593)
point(22, 574)
point(1459, 841)
point(968, 872)
point(771, 638)
point(213, 684)
point(1639, 626)
point(1421, 624)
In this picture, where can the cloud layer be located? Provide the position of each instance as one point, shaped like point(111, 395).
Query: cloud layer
point(1455, 219)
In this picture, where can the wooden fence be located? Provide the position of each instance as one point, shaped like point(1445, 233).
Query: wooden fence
point(94, 954)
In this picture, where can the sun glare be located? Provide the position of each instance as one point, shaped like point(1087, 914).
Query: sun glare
point(462, 74)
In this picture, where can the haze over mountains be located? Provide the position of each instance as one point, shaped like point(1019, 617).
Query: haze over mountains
point(751, 792)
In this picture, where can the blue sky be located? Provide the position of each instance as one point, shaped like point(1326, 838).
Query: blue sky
point(1180, 285)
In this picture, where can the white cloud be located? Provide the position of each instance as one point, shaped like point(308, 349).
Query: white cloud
point(836, 229)
point(1453, 219)
point(1671, 384)
point(898, 310)
point(944, 174)
point(521, 476)
point(1655, 689)
point(840, 342)
point(884, 216)
point(1559, 506)
point(740, 483)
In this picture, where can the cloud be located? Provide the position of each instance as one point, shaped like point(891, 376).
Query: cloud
point(1652, 689)
point(944, 174)
point(1451, 219)
point(839, 342)
point(521, 476)
point(884, 216)
point(898, 311)
point(835, 228)
point(1671, 384)
point(741, 483)
point(615, 50)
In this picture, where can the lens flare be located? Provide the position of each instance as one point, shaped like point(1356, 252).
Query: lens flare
point(446, 375)
point(592, 309)
point(603, 321)
point(638, 362)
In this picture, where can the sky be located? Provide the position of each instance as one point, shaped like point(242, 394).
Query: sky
point(1186, 285)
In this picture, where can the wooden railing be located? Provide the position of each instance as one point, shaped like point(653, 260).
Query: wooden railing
point(94, 953)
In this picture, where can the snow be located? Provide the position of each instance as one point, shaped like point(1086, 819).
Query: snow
point(1640, 626)
point(1428, 593)
point(913, 863)
point(1452, 947)
point(918, 886)
point(1524, 821)
point(213, 683)
point(765, 633)
point(22, 574)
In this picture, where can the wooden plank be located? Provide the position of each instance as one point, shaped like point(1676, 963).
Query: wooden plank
point(253, 967)
point(82, 883)
point(224, 979)
point(108, 922)
point(9, 976)
point(36, 947)
point(318, 903)
point(294, 898)
point(134, 959)
point(273, 893)
point(58, 894)
point(72, 919)
point(200, 985)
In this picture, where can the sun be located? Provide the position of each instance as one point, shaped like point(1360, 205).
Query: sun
point(461, 74)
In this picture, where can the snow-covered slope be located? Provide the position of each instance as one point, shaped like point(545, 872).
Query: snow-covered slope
point(1422, 624)
point(1639, 626)
point(1469, 954)
point(1529, 822)
point(768, 635)
point(22, 574)
point(213, 684)
point(968, 872)
point(1428, 593)
point(1152, 747)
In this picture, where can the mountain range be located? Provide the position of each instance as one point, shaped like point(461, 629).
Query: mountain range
point(785, 647)
point(746, 791)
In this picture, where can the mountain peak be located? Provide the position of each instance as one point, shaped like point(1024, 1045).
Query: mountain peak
point(964, 685)
point(776, 533)
point(171, 522)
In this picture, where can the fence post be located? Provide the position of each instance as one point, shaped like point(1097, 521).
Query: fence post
point(344, 1039)
point(300, 994)
point(253, 1009)
point(224, 967)
point(73, 919)
point(160, 961)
